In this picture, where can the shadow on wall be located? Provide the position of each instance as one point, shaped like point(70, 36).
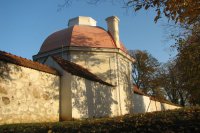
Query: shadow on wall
point(139, 104)
point(125, 84)
point(91, 98)
point(144, 104)
point(8, 74)
point(128, 101)
point(162, 106)
point(99, 99)
point(79, 101)
point(5, 70)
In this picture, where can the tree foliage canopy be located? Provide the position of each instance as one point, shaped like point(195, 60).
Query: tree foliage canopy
point(181, 76)
point(170, 80)
point(188, 64)
point(144, 72)
point(183, 11)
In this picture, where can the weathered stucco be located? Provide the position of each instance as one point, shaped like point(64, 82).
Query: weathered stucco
point(114, 68)
point(111, 65)
point(144, 104)
point(91, 99)
point(27, 95)
point(82, 98)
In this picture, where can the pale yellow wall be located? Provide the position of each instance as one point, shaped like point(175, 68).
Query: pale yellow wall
point(110, 65)
point(113, 68)
point(82, 98)
point(91, 99)
point(101, 64)
point(27, 95)
point(125, 85)
point(65, 90)
point(66, 97)
point(79, 98)
point(143, 104)
point(104, 66)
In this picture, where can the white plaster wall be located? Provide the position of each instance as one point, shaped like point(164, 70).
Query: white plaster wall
point(65, 90)
point(91, 99)
point(104, 66)
point(65, 97)
point(100, 100)
point(79, 98)
point(113, 68)
point(143, 104)
point(125, 85)
point(82, 98)
point(82, 20)
point(100, 63)
point(27, 95)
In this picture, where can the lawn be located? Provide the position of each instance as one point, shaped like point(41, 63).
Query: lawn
point(171, 121)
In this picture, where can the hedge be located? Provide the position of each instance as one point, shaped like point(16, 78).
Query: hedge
point(171, 121)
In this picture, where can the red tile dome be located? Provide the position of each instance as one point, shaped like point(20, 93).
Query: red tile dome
point(80, 36)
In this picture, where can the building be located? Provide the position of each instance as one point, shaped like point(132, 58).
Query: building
point(83, 71)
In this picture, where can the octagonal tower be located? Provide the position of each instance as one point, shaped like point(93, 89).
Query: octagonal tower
point(101, 52)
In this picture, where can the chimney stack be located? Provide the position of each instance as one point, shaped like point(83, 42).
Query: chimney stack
point(113, 28)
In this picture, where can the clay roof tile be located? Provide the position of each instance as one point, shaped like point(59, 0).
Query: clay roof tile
point(78, 70)
point(81, 36)
point(7, 57)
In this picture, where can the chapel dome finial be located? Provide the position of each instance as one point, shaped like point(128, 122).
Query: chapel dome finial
point(82, 20)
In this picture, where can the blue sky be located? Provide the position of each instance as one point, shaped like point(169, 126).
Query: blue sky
point(24, 25)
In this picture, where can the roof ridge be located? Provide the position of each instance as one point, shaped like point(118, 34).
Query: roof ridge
point(140, 92)
point(23, 62)
point(88, 75)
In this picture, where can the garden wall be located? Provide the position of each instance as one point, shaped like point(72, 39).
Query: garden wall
point(27, 95)
point(144, 104)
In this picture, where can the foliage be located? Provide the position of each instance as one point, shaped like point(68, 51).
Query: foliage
point(170, 80)
point(188, 64)
point(180, 77)
point(144, 72)
point(181, 120)
point(183, 11)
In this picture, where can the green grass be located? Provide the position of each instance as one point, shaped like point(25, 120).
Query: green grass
point(181, 120)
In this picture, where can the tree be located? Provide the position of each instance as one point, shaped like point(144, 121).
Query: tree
point(170, 80)
point(188, 64)
point(180, 77)
point(144, 72)
point(183, 11)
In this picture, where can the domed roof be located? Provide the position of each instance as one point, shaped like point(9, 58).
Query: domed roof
point(80, 36)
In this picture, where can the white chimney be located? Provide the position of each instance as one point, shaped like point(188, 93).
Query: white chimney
point(82, 20)
point(113, 28)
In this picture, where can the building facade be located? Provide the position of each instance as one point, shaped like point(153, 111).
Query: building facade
point(101, 52)
point(82, 71)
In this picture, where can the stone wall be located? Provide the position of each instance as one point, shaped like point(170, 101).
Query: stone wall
point(144, 104)
point(27, 95)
